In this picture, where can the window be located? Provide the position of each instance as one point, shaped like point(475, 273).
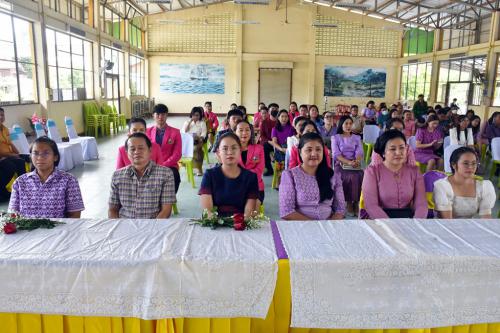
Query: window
point(417, 41)
point(69, 61)
point(465, 70)
point(112, 23)
point(76, 9)
point(117, 58)
point(18, 83)
point(415, 80)
point(137, 75)
point(135, 34)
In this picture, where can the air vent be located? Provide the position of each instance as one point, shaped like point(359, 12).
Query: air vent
point(77, 31)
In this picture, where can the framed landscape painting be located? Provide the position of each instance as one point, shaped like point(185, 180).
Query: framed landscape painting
point(348, 81)
point(192, 78)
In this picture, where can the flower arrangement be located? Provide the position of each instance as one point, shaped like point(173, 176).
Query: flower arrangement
point(237, 221)
point(11, 223)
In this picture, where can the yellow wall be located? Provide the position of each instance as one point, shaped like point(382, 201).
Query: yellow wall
point(276, 39)
point(19, 114)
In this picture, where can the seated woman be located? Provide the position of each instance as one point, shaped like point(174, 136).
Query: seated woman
point(314, 116)
point(311, 191)
point(252, 155)
point(198, 128)
point(392, 186)
point(280, 133)
point(308, 126)
point(461, 134)
point(137, 125)
point(348, 153)
point(429, 139)
point(227, 186)
point(293, 141)
point(46, 192)
point(461, 195)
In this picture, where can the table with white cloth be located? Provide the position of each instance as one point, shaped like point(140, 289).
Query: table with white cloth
point(145, 276)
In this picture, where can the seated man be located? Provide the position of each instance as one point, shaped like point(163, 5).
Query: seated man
point(11, 162)
point(169, 139)
point(137, 125)
point(233, 118)
point(142, 190)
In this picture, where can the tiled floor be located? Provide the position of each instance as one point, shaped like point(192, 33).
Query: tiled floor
point(95, 177)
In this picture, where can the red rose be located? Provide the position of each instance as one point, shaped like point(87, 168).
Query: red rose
point(9, 228)
point(13, 215)
point(239, 222)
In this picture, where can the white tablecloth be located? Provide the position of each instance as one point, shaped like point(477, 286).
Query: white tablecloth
point(148, 269)
point(393, 273)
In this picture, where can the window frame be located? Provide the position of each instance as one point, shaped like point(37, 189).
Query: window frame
point(141, 77)
point(56, 88)
point(17, 63)
point(427, 80)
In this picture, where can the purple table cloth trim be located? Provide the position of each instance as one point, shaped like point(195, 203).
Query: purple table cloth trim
point(278, 244)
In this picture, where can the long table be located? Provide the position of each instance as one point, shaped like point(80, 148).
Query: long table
point(282, 311)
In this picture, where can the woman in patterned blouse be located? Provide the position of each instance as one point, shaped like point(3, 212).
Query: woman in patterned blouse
point(46, 192)
point(311, 191)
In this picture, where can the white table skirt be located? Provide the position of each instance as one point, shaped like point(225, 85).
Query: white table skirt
point(393, 273)
point(147, 269)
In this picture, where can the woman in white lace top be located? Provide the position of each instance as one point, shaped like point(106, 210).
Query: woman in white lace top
point(461, 195)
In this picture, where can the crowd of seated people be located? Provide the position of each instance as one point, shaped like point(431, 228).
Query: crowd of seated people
point(321, 159)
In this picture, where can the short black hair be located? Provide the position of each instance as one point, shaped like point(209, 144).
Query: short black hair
point(273, 105)
point(2, 110)
point(208, 103)
point(136, 120)
point(197, 109)
point(234, 112)
point(457, 153)
point(138, 135)
point(354, 106)
point(303, 106)
point(51, 143)
point(382, 140)
point(252, 132)
point(160, 108)
point(370, 102)
point(227, 135)
point(297, 119)
point(306, 123)
point(391, 122)
point(242, 108)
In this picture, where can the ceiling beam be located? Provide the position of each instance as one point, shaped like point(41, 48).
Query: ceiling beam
point(471, 4)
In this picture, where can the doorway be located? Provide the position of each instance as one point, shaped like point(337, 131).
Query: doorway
point(275, 86)
point(460, 91)
point(112, 90)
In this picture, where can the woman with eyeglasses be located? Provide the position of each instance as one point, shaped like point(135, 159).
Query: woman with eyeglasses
point(46, 192)
point(461, 195)
point(393, 187)
point(228, 186)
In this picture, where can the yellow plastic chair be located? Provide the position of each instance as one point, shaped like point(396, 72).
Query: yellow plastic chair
point(422, 167)
point(112, 117)
point(250, 119)
point(205, 151)
point(277, 169)
point(174, 209)
point(91, 120)
point(122, 120)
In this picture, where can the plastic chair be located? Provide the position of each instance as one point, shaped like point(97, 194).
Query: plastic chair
point(430, 178)
point(122, 120)
point(495, 156)
point(39, 131)
point(446, 142)
point(73, 148)
point(187, 155)
point(88, 143)
point(112, 117)
point(21, 142)
point(174, 209)
point(91, 119)
point(412, 142)
point(370, 135)
point(205, 152)
point(446, 156)
point(250, 119)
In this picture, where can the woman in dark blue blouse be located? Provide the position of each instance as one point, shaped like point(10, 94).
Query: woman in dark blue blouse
point(229, 187)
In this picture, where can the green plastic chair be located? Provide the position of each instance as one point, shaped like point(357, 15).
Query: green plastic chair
point(91, 121)
point(187, 156)
point(174, 209)
point(122, 120)
point(205, 151)
point(112, 117)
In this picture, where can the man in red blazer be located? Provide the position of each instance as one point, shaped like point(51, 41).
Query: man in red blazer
point(169, 139)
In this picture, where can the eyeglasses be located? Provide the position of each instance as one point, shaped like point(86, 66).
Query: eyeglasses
point(470, 165)
point(42, 154)
point(232, 149)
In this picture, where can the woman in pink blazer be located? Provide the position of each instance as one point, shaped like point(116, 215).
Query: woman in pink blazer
point(252, 155)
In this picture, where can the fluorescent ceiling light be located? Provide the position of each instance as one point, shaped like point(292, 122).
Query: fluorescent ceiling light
point(357, 12)
point(446, 10)
point(251, 2)
point(395, 28)
point(325, 4)
point(310, 1)
point(392, 20)
point(246, 22)
point(324, 25)
point(376, 16)
point(352, 5)
point(171, 21)
point(341, 8)
point(154, 1)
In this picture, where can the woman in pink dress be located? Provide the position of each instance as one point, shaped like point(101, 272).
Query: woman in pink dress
point(392, 185)
point(429, 139)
